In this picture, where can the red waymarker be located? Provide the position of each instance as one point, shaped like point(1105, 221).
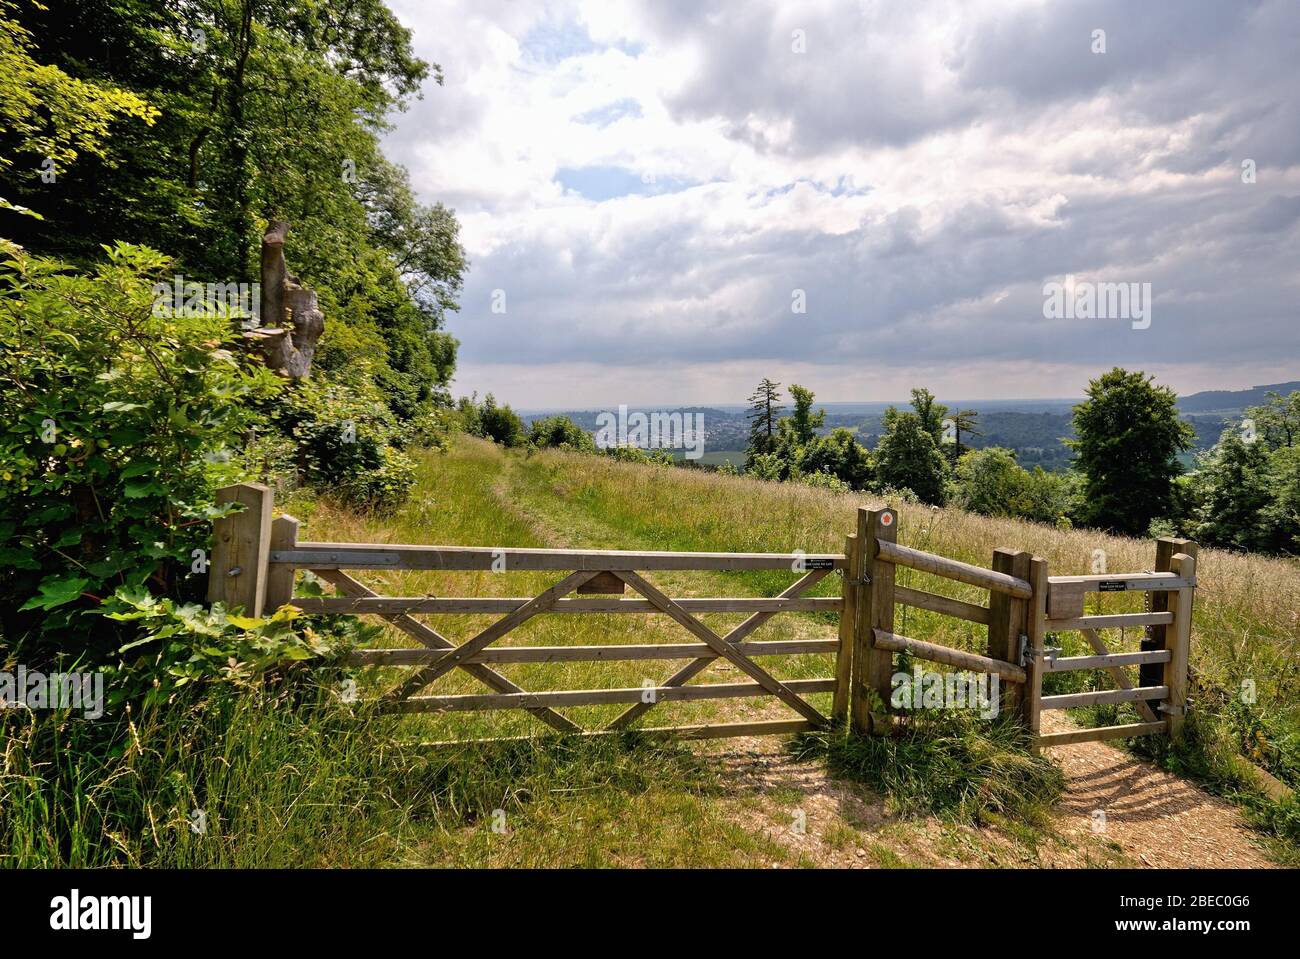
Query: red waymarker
point(886, 519)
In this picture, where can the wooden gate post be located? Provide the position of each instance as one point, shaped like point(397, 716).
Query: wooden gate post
point(1008, 621)
point(873, 667)
point(1152, 674)
point(1179, 639)
point(1037, 631)
point(848, 611)
point(241, 544)
point(279, 579)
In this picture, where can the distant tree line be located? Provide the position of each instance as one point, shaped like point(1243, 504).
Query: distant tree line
point(1126, 475)
point(492, 421)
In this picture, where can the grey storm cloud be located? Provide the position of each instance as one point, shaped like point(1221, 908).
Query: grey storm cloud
point(920, 172)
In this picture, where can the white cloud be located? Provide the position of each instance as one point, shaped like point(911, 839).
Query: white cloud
point(919, 172)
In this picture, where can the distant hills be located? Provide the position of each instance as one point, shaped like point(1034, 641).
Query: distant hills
point(1034, 428)
point(1228, 401)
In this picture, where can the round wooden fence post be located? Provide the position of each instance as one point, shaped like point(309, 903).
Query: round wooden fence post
point(1179, 639)
point(279, 578)
point(1152, 674)
point(1037, 631)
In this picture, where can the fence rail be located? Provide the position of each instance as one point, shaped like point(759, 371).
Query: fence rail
point(372, 556)
point(255, 559)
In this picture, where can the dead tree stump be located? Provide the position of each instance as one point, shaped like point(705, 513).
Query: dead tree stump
point(291, 318)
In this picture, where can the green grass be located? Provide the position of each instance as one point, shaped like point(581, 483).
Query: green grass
point(317, 786)
point(950, 763)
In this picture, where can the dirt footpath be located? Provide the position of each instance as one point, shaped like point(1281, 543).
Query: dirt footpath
point(1155, 817)
point(1151, 818)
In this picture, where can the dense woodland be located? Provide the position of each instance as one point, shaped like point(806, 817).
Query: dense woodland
point(146, 141)
point(145, 144)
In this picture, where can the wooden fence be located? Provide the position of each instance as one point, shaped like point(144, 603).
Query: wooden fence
point(254, 561)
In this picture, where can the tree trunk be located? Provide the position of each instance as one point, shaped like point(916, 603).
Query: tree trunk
point(290, 314)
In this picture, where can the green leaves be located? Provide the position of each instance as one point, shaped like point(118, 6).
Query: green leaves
point(186, 643)
point(142, 486)
point(1129, 437)
point(16, 208)
point(56, 591)
point(109, 415)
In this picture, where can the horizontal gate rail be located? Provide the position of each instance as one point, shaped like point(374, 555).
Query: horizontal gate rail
point(1122, 582)
point(581, 654)
point(761, 727)
point(1115, 621)
point(599, 697)
point(953, 569)
point(1105, 697)
point(1100, 733)
point(1105, 661)
point(432, 639)
point(959, 609)
point(948, 655)
point(383, 605)
point(373, 556)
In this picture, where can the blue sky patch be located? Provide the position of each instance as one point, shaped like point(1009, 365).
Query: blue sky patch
point(607, 182)
point(603, 116)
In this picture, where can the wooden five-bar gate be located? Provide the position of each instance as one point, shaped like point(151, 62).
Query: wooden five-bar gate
point(255, 558)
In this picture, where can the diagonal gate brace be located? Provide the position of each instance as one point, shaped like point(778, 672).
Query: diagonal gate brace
point(432, 639)
point(723, 648)
point(539, 604)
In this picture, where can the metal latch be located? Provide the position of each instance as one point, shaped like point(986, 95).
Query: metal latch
point(1026, 653)
point(1172, 710)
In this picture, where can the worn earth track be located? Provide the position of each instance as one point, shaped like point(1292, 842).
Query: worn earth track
point(1152, 819)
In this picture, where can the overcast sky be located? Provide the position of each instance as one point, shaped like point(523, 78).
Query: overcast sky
point(648, 184)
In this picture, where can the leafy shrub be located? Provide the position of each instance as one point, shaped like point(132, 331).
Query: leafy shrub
point(500, 424)
point(118, 427)
point(633, 454)
point(347, 443)
point(840, 455)
point(822, 481)
point(560, 432)
point(991, 482)
point(767, 466)
point(907, 457)
point(185, 643)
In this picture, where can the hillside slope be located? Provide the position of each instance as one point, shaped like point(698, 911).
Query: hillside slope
point(742, 799)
